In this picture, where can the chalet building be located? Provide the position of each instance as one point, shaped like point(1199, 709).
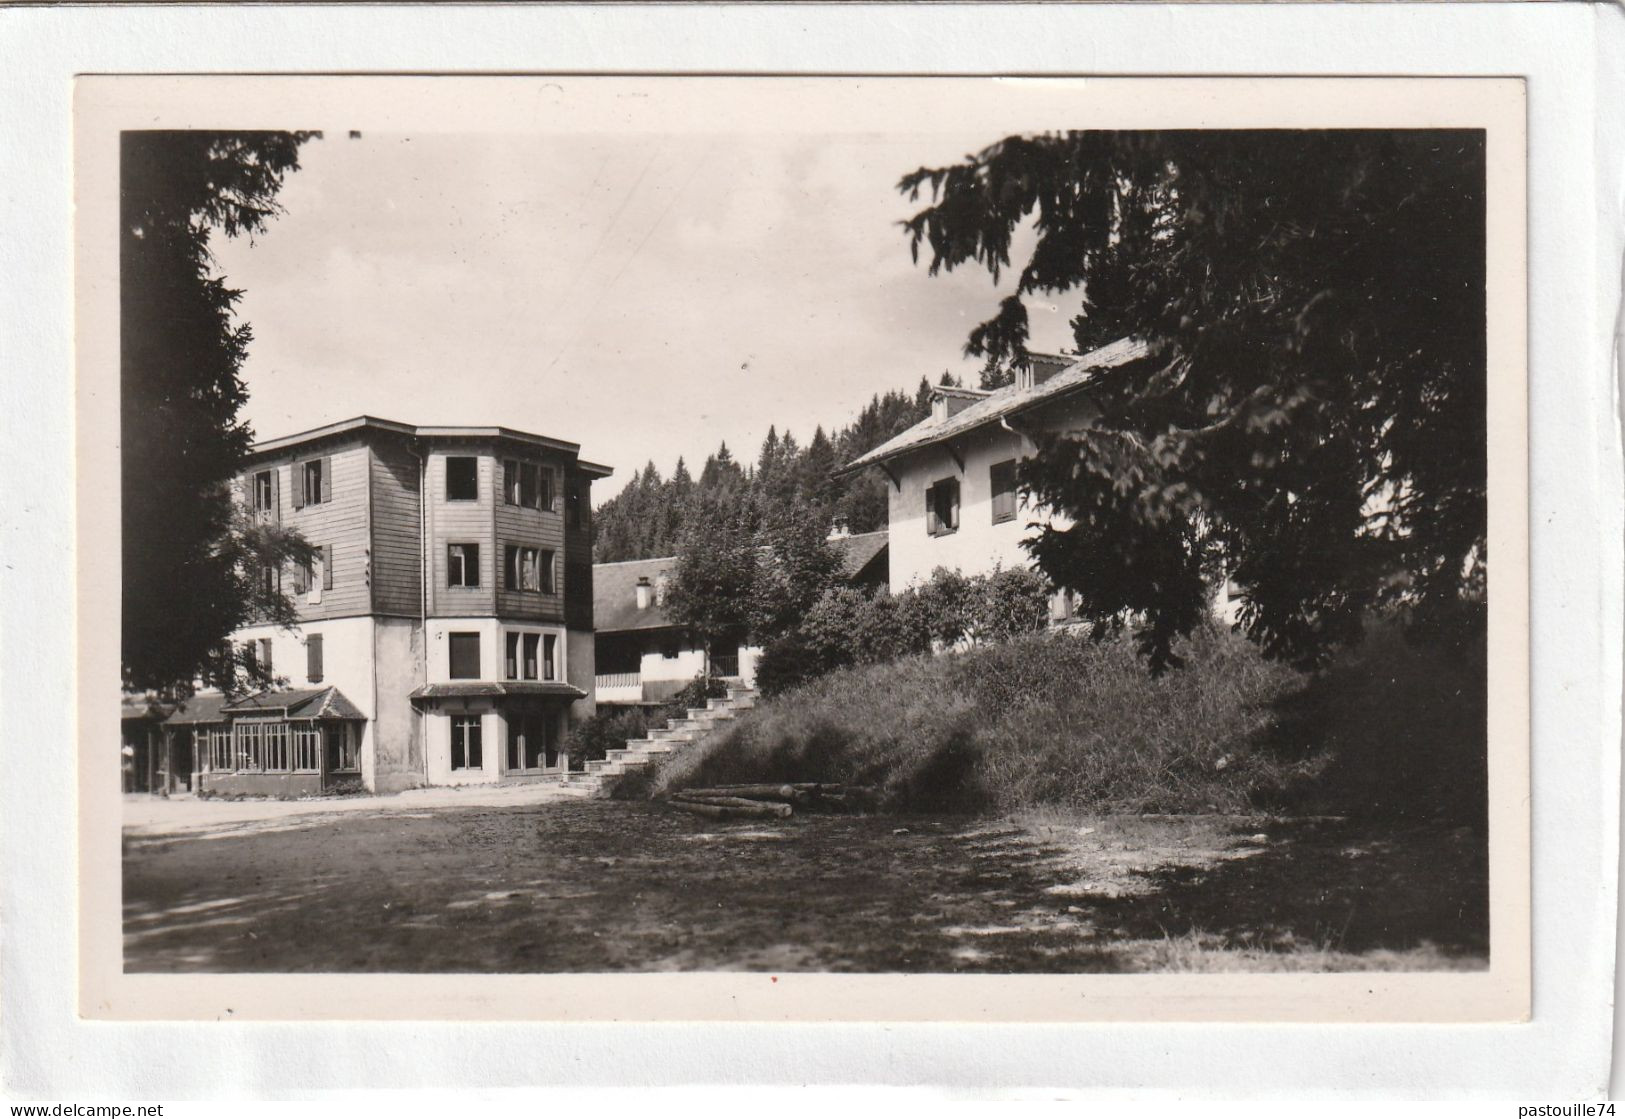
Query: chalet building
point(644, 657)
point(953, 500)
point(445, 629)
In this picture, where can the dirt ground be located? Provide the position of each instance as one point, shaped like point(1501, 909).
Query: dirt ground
point(621, 886)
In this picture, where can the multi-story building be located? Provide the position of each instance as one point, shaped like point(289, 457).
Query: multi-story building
point(953, 501)
point(445, 630)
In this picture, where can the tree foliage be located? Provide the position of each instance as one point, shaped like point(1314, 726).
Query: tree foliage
point(646, 519)
point(1309, 416)
point(191, 563)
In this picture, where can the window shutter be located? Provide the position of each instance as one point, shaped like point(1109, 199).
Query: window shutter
point(298, 485)
point(313, 658)
point(301, 578)
point(327, 478)
point(276, 493)
point(953, 506)
point(931, 510)
point(327, 567)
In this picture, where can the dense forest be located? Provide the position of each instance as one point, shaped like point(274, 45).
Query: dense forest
point(646, 518)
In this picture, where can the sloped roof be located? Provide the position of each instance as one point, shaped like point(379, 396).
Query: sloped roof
point(1006, 401)
point(859, 550)
point(614, 585)
point(430, 432)
point(143, 707)
point(498, 688)
point(296, 703)
point(202, 708)
point(615, 596)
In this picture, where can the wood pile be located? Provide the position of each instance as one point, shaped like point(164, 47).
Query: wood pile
point(771, 802)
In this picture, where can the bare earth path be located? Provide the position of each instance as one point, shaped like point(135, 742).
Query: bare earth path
point(533, 883)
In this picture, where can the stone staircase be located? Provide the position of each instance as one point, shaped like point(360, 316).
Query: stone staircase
point(601, 776)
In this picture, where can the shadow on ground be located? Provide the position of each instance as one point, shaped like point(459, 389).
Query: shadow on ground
point(603, 886)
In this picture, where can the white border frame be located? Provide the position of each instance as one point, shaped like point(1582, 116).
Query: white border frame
point(1572, 56)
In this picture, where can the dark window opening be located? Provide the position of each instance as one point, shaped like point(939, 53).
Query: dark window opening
point(942, 507)
point(522, 484)
point(462, 565)
point(465, 743)
point(310, 477)
point(264, 502)
point(462, 478)
point(574, 514)
point(532, 743)
point(522, 569)
point(464, 650)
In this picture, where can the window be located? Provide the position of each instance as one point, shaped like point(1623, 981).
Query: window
point(264, 493)
point(529, 656)
point(528, 484)
point(218, 739)
point(462, 478)
point(270, 581)
point(340, 744)
point(313, 658)
point(1002, 476)
point(464, 651)
point(669, 650)
point(462, 565)
point(942, 507)
point(573, 512)
point(265, 654)
point(314, 482)
point(548, 563)
point(522, 569)
point(310, 579)
point(532, 743)
point(305, 746)
point(465, 742)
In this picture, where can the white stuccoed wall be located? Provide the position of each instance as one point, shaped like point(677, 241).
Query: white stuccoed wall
point(347, 664)
point(980, 545)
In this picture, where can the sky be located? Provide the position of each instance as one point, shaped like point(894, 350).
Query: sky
point(644, 296)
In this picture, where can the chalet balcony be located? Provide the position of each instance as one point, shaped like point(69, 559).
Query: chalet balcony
point(618, 687)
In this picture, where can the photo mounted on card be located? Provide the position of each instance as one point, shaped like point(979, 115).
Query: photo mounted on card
point(815, 548)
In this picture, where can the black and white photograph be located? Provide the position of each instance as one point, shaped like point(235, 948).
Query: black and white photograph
point(926, 543)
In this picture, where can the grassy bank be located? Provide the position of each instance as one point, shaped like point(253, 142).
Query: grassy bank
point(1061, 721)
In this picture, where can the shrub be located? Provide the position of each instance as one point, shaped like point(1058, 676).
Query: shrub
point(1009, 603)
point(1390, 729)
point(592, 738)
point(609, 729)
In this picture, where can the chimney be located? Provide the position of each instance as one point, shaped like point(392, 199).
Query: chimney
point(643, 592)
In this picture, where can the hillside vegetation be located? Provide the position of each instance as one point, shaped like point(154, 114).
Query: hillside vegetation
point(1058, 720)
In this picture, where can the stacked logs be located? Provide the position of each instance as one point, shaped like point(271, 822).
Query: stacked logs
point(769, 802)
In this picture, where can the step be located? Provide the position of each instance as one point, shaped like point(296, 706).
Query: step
point(596, 766)
point(674, 735)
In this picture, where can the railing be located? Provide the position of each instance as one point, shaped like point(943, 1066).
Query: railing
point(726, 667)
point(618, 680)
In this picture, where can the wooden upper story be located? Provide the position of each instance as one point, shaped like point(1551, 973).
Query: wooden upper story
point(446, 521)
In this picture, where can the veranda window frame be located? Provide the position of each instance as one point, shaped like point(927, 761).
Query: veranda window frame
point(473, 759)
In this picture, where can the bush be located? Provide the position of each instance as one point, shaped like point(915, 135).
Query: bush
point(847, 626)
point(609, 729)
point(593, 738)
point(1390, 730)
